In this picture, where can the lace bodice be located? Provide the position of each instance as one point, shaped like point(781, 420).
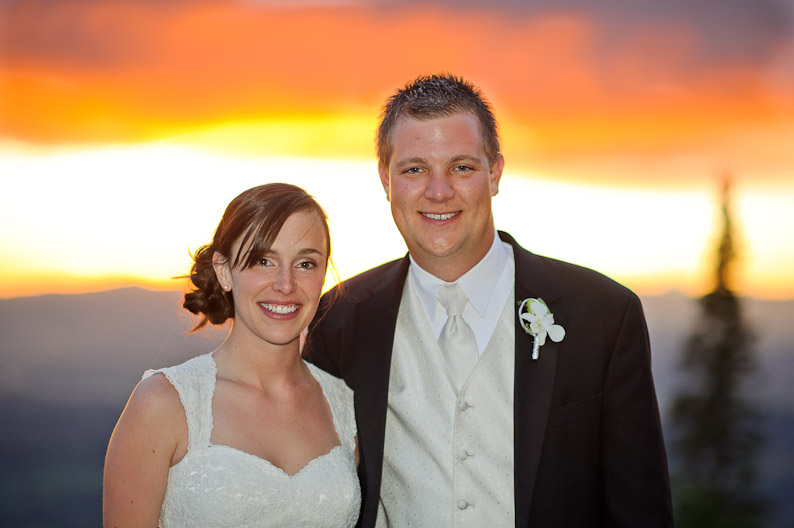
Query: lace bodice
point(220, 486)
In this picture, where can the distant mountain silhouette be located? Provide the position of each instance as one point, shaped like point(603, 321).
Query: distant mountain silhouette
point(93, 347)
point(69, 362)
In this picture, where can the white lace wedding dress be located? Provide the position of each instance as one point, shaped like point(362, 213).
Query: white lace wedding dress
point(220, 486)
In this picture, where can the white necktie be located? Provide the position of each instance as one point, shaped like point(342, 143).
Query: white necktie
point(457, 342)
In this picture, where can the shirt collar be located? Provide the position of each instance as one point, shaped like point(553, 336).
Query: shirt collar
point(477, 283)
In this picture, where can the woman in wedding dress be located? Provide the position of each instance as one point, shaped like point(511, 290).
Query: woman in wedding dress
point(249, 434)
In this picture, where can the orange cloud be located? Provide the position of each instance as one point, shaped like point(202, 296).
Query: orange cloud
point(117, 71)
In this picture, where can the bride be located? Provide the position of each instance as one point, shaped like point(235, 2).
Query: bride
point(250, 434)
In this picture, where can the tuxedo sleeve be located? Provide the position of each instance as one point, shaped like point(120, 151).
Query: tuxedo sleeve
point(634, 463)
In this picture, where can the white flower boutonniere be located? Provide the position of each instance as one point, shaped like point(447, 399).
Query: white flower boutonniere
point(538, 321)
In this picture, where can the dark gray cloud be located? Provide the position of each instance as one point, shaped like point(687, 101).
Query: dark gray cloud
point(84, 32)
point(728, 31)
point(78, 32)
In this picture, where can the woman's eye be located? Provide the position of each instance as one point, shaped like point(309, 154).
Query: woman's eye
point(265, 262)
point(307, 264)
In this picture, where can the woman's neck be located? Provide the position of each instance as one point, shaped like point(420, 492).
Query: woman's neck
point(257, 363)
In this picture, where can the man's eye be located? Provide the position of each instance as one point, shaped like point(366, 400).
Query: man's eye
point(412, 170)
point(463, 168)
point(265, 262)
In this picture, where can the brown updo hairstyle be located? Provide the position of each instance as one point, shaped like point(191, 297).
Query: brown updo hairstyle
point(255, 218)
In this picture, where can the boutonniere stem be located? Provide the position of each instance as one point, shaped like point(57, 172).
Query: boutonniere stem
point(538, 321)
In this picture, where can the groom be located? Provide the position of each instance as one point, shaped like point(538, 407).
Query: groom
point(459, 424)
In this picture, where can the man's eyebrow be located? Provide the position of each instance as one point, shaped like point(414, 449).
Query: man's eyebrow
point(411, 161)
point(464, 157)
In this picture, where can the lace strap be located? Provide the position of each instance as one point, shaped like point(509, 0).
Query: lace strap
point(194, 380)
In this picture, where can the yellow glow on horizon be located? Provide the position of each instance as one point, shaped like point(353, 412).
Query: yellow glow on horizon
point(140, 211)
point(765, 239)
point(83, 220)
point(627, 234)
point(317, 136)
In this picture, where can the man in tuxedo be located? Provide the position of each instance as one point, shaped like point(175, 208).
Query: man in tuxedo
point(459, 423)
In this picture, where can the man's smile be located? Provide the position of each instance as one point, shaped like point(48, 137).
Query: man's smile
point(440, 216)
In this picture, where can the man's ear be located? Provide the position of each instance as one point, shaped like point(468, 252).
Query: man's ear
point(222, 270)
point(496, 174)
point(383, 172)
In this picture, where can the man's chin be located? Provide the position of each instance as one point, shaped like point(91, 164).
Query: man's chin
point(438, 250)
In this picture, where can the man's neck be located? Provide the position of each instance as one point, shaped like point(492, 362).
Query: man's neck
point(451, 268)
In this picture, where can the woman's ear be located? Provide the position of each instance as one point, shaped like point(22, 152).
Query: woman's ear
point(222, 271)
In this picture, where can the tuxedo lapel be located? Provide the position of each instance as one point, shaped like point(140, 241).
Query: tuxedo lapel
point(376, 316)
point(534, 379)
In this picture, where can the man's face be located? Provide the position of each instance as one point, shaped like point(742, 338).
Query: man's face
point(440, 184)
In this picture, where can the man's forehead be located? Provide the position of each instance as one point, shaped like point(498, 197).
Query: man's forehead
point(420, 133)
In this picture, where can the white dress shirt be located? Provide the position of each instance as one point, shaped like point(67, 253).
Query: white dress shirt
point(486, 285)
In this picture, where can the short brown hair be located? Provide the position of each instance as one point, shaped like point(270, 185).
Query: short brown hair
point(434, 96)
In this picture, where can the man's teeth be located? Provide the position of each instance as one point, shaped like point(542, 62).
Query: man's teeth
point(280, 308)
point(445, 216)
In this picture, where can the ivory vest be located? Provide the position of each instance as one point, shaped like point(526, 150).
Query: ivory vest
point(448, 456)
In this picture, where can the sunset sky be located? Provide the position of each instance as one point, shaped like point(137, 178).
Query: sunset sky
point(126, 126)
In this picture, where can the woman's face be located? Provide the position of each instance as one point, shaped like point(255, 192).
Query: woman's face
point(277, 298)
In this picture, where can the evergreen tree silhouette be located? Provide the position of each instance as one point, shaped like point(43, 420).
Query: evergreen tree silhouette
point(718, 432)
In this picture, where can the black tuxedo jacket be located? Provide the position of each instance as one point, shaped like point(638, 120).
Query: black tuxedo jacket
point(587, 436)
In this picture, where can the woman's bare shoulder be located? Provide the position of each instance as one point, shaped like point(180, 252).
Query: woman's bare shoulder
point(156, 401)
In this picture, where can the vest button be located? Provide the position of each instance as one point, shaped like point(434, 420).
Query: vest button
point(464, 405)
point(462, 504)
point(463, 454)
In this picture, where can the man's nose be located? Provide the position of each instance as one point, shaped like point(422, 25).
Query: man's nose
point(439, 186)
